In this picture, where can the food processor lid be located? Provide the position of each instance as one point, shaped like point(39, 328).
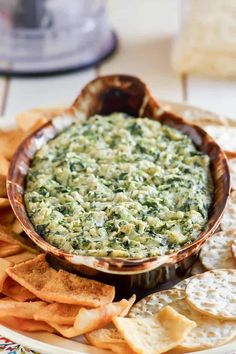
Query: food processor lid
point(48, 37)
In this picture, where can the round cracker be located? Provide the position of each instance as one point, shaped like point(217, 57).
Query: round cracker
point(214, 293)
point(182, 284)
point(234, 248)
point(228, 221)
point(153, 303)
point(210, 332)
point(217, 253)
point(232, 169)
point(197, 268)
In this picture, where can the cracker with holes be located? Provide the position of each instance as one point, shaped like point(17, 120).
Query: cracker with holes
point(153, 303)
point(182, 284)
point(228, 221)
point(209, 332)
point(217, 252)
point(214, 293)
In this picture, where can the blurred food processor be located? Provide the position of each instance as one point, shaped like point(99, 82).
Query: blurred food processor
point(53, 36)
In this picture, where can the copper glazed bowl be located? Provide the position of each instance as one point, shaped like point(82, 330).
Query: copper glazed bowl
point(104, 95)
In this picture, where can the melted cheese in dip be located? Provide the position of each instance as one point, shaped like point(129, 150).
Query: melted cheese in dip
point(120, 187)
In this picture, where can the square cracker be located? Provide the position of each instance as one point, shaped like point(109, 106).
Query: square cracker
point(154, 335)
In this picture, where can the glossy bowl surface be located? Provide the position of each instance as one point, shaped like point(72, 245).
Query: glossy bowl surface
point(104, 95)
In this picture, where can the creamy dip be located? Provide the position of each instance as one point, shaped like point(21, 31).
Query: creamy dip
point(119, 186)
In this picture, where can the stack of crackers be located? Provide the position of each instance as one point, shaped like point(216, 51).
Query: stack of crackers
point(198, 313)
point(207, 299)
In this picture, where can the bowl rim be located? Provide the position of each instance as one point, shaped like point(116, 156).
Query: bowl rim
point(104, 264)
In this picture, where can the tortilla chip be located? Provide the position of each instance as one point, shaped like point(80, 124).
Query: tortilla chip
point(3, 188)
point(127, 309)
point(88, 320)
point(10, 243)
point(7, 235)
point(230, 154)
point(17, 309)
point(4, 264)
point(4, 202)
point(20, 257)
point(61, 314)
point(154, 335)
point(26, 324)
point(109, 338)
point(16, 227)
point(64, 314)
point(50, 285)
point(16, 291)
point(25, 243)
point(10, 140)
point(27, 120)
point(6, 298)
point(50, 112)
point(4, 166)
point(7, 249)
point(7, 216)
point(38, 124)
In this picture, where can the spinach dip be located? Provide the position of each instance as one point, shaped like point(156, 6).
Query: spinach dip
point(120, 187)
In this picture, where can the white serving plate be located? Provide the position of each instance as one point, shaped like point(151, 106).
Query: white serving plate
point(46, 343)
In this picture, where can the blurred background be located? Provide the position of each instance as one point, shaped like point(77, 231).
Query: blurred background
point(184, 50)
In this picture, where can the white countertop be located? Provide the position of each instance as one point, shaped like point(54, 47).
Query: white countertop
point(146, 30)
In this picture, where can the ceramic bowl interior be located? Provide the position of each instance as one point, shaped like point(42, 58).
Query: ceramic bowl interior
point(118, 93)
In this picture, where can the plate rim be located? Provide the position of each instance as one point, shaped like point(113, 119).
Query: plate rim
point(42, 347)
